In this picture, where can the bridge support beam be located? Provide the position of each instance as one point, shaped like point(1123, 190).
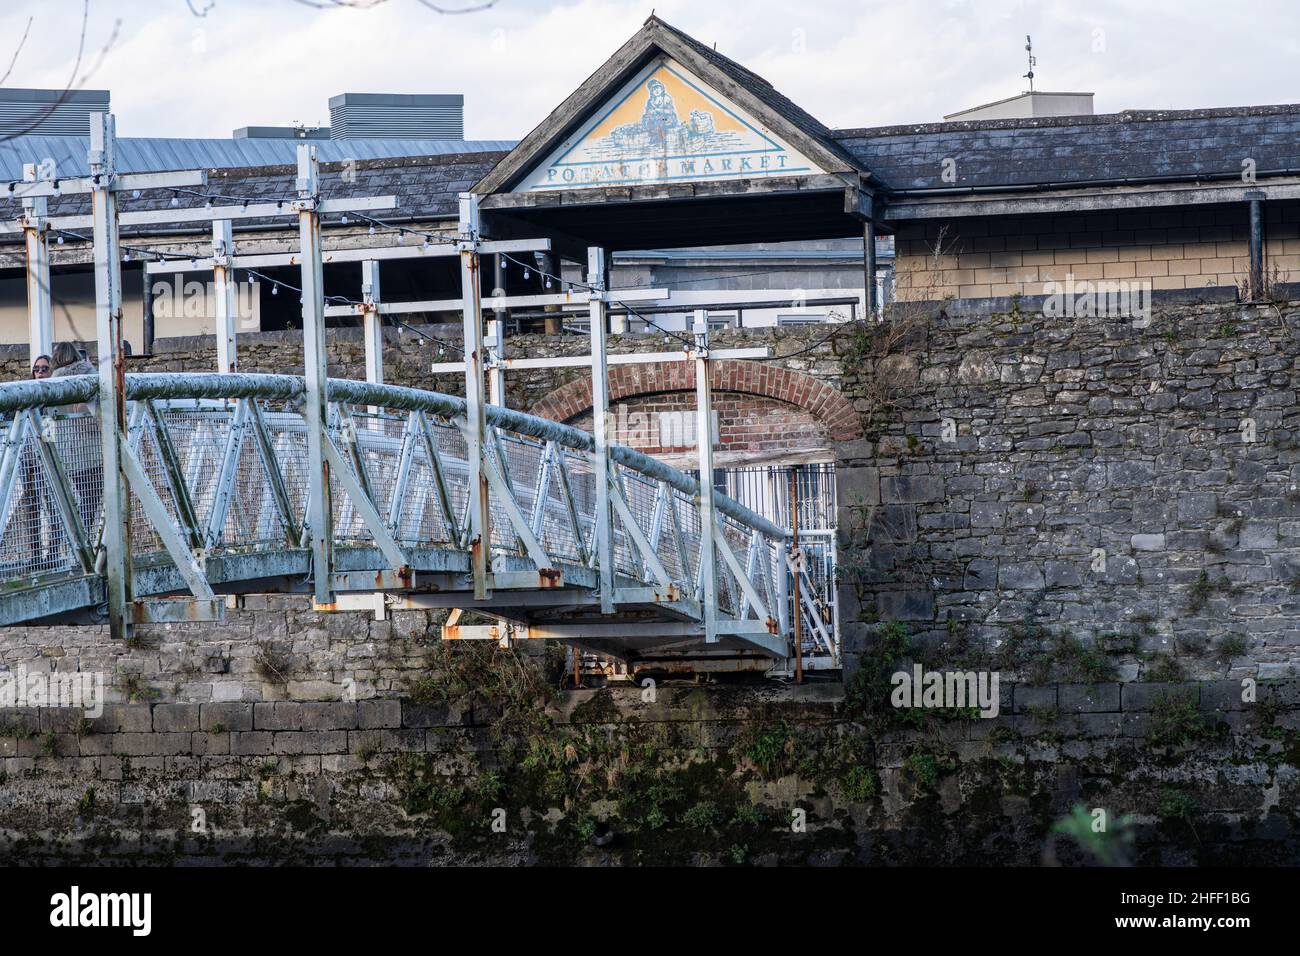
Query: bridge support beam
point(116, 533)
point(479, 531)
point(704, 443)
point(320, 510)
point(604, 523)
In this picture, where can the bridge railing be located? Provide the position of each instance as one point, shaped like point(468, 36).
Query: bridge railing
point(218, 466)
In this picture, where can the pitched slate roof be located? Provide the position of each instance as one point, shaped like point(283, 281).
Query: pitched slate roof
point(1075, 150)
point(150, 154)
point(426, 188)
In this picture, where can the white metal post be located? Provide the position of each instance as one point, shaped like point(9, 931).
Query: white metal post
point(373, 333)
point(480, 529)
point(320, 511)
point(704, 442)
point(604, 545)
point(496, 340)
point(223, 287)
point(36, 231)
point(112, 401)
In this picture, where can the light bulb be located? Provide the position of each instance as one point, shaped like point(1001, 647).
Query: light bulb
point(60, 240)
point(275, 290)
point(525, 275)
point(175, 201)
point(372, 230)
point(135, 194)
point(208, 204)
point(343, 220)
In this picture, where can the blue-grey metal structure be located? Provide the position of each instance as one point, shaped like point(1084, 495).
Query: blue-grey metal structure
point(217, 474)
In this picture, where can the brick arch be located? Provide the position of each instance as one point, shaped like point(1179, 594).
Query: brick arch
point(823, 402)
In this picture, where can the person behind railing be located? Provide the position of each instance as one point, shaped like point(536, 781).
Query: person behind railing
point(79, 438)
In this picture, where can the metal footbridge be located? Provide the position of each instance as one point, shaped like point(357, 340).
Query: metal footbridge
point(219, 500)
point(137, 498)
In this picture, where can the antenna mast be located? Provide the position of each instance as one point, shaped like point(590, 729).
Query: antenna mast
point(1029, 49)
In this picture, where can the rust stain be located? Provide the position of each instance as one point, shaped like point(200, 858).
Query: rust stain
point(550, 578)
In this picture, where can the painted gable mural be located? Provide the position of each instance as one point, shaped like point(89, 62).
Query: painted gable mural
point(666, 126)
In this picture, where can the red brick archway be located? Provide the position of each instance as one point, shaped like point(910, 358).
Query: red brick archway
point(823, 402)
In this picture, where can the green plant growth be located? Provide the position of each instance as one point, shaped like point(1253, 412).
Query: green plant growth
point(1174, 719)
point(137, 690)
point(1107, 842)
point(926, 766)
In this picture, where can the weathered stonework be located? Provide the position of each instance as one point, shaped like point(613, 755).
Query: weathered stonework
point(1134, 488)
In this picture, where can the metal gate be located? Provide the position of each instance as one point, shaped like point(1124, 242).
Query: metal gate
point(767, 490)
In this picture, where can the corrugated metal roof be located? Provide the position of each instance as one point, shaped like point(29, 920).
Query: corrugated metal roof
point(148, 155)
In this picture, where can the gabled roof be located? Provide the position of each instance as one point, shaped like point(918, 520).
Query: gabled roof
point(749, 90)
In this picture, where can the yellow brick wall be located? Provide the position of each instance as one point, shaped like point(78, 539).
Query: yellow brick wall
point(1189, 248)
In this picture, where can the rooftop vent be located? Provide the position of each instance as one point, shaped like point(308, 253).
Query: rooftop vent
point(50, 112)
point(397, 116)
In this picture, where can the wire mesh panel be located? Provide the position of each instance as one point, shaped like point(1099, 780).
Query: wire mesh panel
point(421, 516)
point(144, 539)
point(454, 452)
point(33, 541)
point(200, 433)
point(77, 445)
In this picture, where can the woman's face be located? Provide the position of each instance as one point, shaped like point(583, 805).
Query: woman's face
point(41, 368)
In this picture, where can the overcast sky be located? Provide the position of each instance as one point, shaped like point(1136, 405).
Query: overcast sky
point(848, 62)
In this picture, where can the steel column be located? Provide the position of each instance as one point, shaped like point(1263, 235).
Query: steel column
point(496, 340)
point(479, 523)
point(223, 287)
point(604, 525)
point(704, 442)
point(869, 297)
point(36, 231)
point(116, 504)
point(373, 332)
point(1256, 249)
point(320, 509)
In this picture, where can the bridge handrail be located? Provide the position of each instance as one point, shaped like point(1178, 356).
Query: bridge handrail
point(140, 386)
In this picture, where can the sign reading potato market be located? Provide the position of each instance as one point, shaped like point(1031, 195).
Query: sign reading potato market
point(666, 126)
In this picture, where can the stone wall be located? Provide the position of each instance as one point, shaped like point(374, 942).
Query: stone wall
point(490, 771)
point(1085, 494)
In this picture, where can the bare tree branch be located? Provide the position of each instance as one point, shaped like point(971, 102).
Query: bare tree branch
point(18, 49)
